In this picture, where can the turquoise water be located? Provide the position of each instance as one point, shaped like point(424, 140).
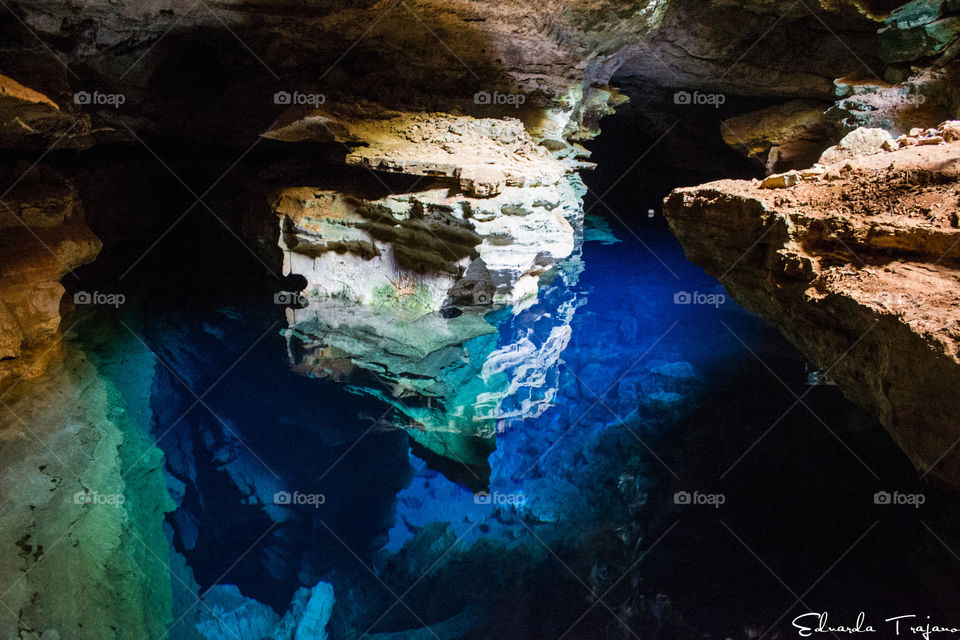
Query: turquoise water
point(629, 467)
point(637, 399)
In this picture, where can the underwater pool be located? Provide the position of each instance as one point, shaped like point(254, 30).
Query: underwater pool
point(624, 456)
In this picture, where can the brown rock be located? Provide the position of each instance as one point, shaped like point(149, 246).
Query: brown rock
point(951, 130)
point(780, 180)
point(42, 238)
point(860, 273)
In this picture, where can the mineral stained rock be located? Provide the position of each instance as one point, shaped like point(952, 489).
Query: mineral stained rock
point(859, 267)
point(496, 215)
point(29, 119)
point(42, 238)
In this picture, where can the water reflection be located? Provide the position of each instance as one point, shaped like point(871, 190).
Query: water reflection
point(550, 405)
point(454, 381)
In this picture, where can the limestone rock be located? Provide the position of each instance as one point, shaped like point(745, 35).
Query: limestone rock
point(922, 98)
point(42, 238)
point(457, 379)
point(901, 42)
point(228, 613)
point(915, 14)
point(951, 130)
point(232, 615)
point(705, 56)
point(781, 180)
point(482, 154)
point(83, 509)
point(860, 273)
point(857, 143)
point(313, 621)
point(29, 118)
point(428, 247)
point(787, 136)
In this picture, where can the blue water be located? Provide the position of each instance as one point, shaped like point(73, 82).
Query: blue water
point(642, 399)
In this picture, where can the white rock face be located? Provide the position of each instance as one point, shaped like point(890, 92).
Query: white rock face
point(426, 248)
point(500, 211)
point(859, 142)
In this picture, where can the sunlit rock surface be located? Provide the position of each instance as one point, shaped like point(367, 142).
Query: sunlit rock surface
point(498, 212)
point(42, 239)
point(483, 155)
point(857, 265)
point(424, 249)
point(29, 118)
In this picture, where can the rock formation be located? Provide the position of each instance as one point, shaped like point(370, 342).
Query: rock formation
point(30, 119)
point(456, 381)
point(447, 295)
point(857, 263)
point(497, 213)
point(84, 500)
point(513, 85)
point(42, 239)
point(229, 614)
point(782, 137)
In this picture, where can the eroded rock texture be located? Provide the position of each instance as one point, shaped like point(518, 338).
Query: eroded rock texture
point(42, 239)
point(858, 264)
point(496, 214)
point(84, 501)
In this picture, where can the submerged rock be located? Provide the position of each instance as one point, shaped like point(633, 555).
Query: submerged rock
point(83, 504)
point(456, 381)
point(229, 614)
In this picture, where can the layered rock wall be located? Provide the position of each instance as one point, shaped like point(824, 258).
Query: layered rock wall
point(43, 238)
point(857, 263)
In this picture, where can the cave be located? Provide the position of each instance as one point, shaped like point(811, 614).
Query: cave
point(415, 319)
